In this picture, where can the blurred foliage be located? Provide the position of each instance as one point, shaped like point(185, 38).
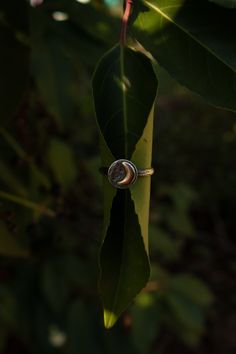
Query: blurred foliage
point(51, 205)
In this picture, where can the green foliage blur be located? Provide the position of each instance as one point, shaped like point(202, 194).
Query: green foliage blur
point(51, 199)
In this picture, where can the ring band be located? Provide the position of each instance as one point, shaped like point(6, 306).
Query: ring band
point(123, 173)
point(143, 172)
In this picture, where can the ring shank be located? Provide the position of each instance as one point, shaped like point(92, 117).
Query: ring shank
point(142, 172)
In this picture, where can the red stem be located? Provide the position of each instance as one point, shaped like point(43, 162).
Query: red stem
point(125, 20)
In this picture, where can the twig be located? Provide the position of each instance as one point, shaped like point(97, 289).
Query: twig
point(27, 204)
point(125, 20)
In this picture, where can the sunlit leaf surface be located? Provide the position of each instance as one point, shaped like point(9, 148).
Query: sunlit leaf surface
point(195, 42)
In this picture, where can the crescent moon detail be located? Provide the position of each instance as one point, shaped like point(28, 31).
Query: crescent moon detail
point(129, 174)
point(122, 173)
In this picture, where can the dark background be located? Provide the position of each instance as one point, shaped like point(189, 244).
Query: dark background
point(51, 199)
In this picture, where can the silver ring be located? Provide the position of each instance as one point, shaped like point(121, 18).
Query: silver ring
point(123, 173)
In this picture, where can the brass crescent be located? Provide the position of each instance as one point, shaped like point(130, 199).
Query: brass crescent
point(122, 173)
point(129, 174)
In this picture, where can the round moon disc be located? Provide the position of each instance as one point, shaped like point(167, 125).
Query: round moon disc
point(122, 174)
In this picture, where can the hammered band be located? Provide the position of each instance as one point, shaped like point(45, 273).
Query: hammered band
point(123, 173)
point(143, 172)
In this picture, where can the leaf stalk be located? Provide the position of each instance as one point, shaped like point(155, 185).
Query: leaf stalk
point(125, 19)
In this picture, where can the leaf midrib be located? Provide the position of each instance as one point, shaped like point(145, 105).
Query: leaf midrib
point(124, 103)
point(163, 14)
point(117, 290)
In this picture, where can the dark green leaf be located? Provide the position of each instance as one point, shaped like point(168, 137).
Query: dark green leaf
point(9, 246)
point(42, 321)
point(192, 288)
point(14, 58)
point(19, 151)
point(81, 328)
point(54, 284)
point(101, 25)
point(226, 3)
point(62, 163)
point(145, 315)
point(123, 104)
point(195, 42)
point(61, 275)
point(115, 343)
point(163, 245)
point(37, 208)
point(122, 100)
point(187, 314)
point(10, 179)
point(7, 307)
point(124, 260)
point(52, 69)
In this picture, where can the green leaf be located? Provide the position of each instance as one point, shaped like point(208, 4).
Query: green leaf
point(7, 307)
point(62, 163)
point(10, 179)
point(8, 244)
point(99, 17)
point(187, 315)
point(40, 209)
point(124, 108)
point(14, 58)
point(52, 69)
point(195, 42)
point(81, 327)
point(61, 275)
point(54, 284)
point(187, 300)
point(124, 260)
point(192, 288)
point(145, 314)
point(163, 245)
point(119, 95)
point(226, 3)
point(17, 148)
point(115, 343)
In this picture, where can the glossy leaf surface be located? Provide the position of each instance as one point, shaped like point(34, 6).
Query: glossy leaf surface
point(195, 42)
point(119, 94)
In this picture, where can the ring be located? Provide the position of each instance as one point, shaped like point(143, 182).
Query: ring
point(123, 173)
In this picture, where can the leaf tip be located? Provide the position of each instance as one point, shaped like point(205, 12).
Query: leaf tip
point(109, 319)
